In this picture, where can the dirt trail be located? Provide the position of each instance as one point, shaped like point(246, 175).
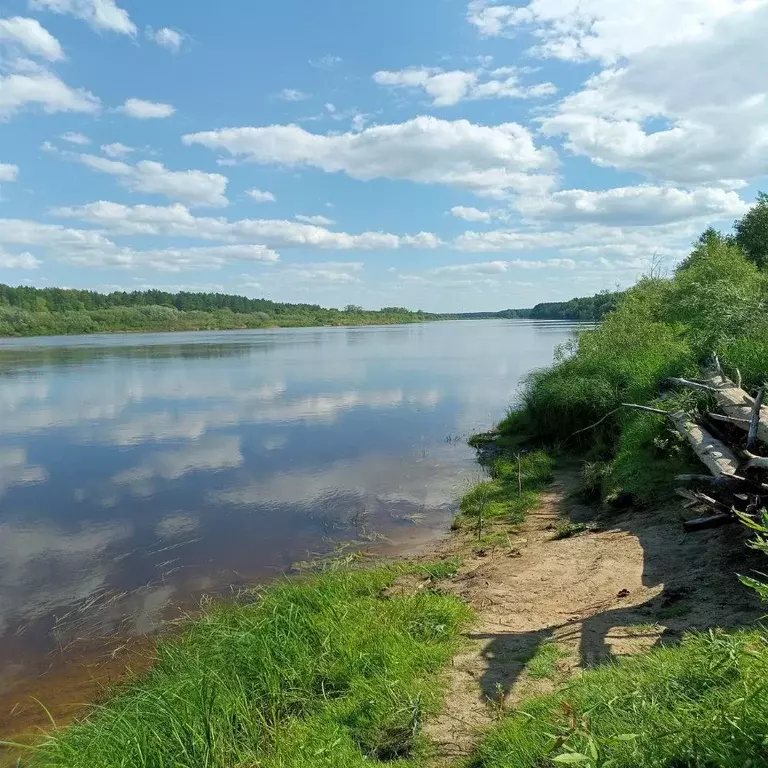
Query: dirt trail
point(637, 582)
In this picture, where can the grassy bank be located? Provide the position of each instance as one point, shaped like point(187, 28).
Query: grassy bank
point(321, 671)
point(714, 302)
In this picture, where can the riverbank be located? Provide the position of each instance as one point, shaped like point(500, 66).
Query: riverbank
point(432, 660)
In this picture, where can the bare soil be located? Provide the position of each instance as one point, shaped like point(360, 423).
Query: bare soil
point(636, 582)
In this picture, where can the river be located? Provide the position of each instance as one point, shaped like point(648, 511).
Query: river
point(140, 471)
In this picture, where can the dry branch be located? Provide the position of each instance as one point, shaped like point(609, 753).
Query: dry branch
point(754, 419)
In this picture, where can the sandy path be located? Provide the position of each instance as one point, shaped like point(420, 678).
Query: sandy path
point(638, 582)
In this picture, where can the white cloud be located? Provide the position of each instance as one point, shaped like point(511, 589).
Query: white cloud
point(18, 260)
point(632, 206)
point(291, 94)
point(325, 62)
point(167, 38)
point(470, 214)
point(705, 124)
point(45, 90)
point(325, 272)
point(606, 30)
point(177, 221)
point(116, 150)
point(489, 160)
point(32, 37)
point(146, 110)
point(76, 138)
point(8, 172)
point(320, 221)
point(260, 196)
point(449, 88)
point(170, 259)
point(499, 267)
point(196, 188)
point(100, 14)
point(672, 239)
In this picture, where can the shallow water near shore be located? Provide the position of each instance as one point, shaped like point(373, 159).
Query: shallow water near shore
point(139, 471)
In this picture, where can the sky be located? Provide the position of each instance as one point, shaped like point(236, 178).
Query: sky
point(447, 155)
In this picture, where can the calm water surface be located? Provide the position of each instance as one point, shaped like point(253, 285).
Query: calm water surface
point(136, 470)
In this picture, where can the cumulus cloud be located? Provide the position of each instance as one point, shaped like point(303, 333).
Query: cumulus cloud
point(676, 99)
point(146, 110)
point(470, 214)
point(632, 206)
point(45, 90)
point(18, 260)
point(320, 221)
point(100, 14)
point(116, 150)
point(196, 188)
point(8, 172)
point(291, 94)
point(30, 36)
point(261, 196)
point(489, 160)
point(604, 30)
point(498, 267)
point(167, 38)
point(449, 88)
point(170, 259)
point(178, 221)
point(76, 138)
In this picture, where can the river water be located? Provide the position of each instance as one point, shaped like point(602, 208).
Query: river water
point(137, 471)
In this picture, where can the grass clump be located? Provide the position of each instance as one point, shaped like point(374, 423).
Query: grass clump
point(703, 703)
point(543, 664)
point(568, 529)
point(513, 490)
point(321, 671)
point(441, 569)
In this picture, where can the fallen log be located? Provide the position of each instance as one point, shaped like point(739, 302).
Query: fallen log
point(731, 483)
point(704, 523)
point(714, 454)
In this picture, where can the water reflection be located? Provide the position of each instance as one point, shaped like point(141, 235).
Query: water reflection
point(138, 469)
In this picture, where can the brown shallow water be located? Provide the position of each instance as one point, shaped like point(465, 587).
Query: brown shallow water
point(138, 472)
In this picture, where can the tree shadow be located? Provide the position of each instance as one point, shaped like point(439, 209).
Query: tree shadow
point(700, 590)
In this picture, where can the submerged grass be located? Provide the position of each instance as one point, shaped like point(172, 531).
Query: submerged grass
point(703, 703)
point(320, 671)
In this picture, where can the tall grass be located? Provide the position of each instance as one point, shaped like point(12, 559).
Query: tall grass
point(702, 704)
point(324, 671)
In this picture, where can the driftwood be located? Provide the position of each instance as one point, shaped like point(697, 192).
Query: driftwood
point(731, 483)
point(737, 405)
point(704, 523)
point(714, 454)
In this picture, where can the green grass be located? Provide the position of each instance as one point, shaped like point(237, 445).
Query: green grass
point(441, 569)
point(543, 664)
point(497, 499)
point(703, 704)
point(321, 671)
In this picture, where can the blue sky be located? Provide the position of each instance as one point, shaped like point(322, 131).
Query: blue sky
point(442, 154)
